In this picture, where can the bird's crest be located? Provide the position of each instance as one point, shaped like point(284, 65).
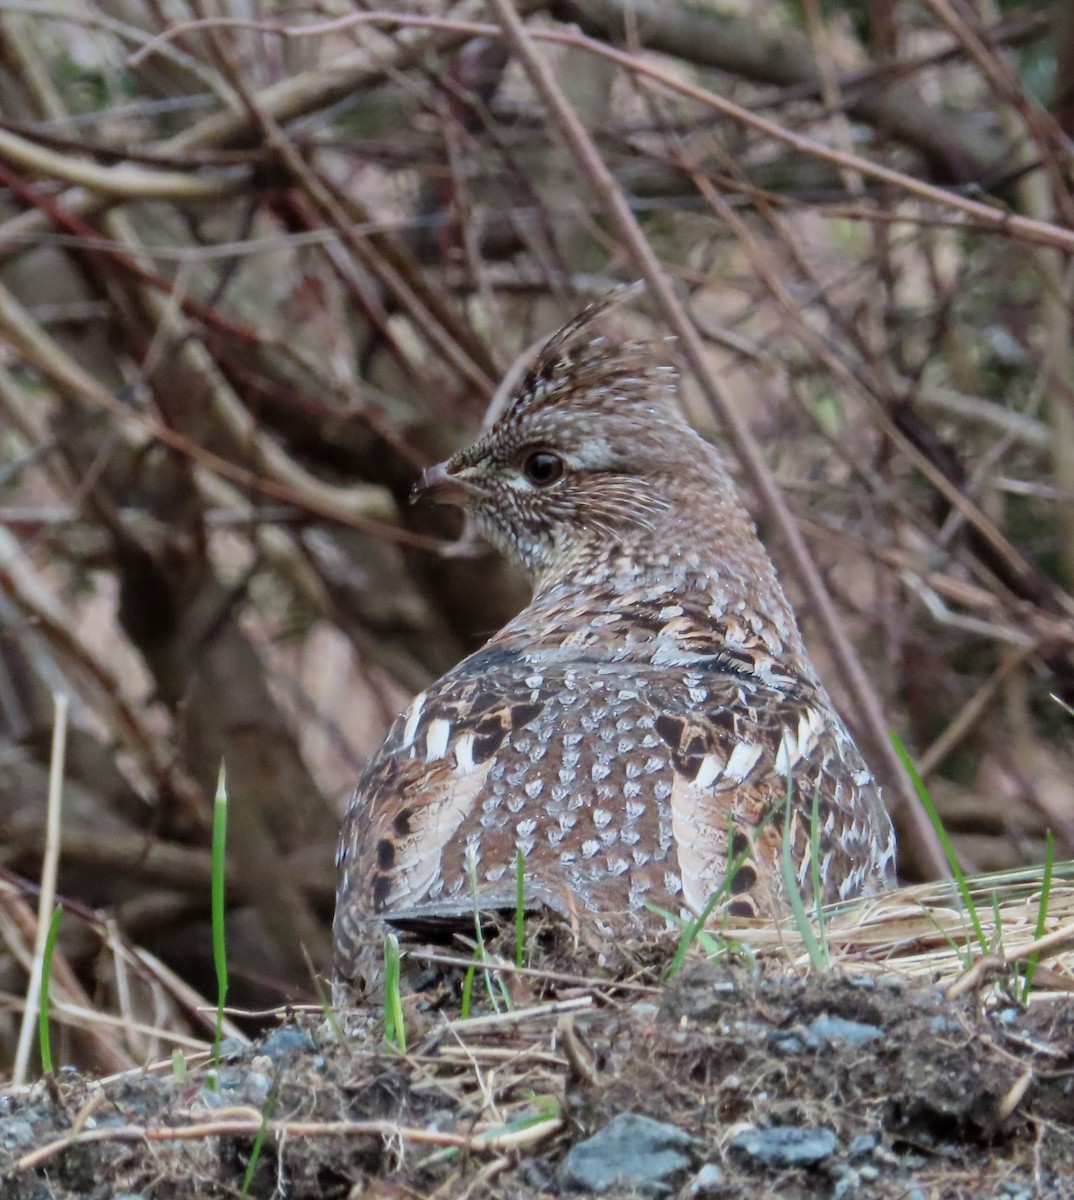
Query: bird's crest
point(577, 360)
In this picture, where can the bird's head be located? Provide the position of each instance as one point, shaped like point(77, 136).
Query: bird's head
point(591, 449)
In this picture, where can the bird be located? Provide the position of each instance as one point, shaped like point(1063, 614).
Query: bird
point(649, 730)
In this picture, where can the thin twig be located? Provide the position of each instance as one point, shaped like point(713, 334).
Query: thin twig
point(366, 507)
point(971, 711)
point(247, 1121)
point(517, 1015)
point(1040, 232)
point(123, 181)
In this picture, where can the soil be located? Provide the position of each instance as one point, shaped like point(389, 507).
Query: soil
point(927, 1096)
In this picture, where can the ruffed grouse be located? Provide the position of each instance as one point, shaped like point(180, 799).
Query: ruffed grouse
point(634, 728)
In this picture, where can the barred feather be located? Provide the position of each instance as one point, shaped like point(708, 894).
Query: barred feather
point(639, 723)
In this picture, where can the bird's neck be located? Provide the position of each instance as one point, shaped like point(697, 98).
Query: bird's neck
point(702, 558)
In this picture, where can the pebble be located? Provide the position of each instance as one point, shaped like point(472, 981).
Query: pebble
point(825, 1031)
point(256, 1086)
point(14, 1131)
point(864, 1143)
point(709, 1177)
point(235, 1085)
point(282, 1043)
point(1011, 1187)
point(631, 1153)
point(847, 1182)
point(788, 1044)
point(232, 1049)
point(786, 1145)
point(210, 1098)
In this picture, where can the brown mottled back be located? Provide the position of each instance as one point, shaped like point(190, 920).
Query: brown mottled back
point(635, 726)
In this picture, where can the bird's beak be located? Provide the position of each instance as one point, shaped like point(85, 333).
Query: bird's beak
point(441, 486)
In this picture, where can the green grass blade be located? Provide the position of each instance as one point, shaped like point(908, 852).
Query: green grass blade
point(945, 841)
point(696, 926)
point(1042, 912)
point(219, 861)
point(520, 909)
point(814, 873)
point(43, 1038)
point(996, 945)
point(959, 950)
point(479, 933)
point(394, 1025)
point(817, 957)
point(468, 987)
point(713, 946)
point(327, 1008)
point(180, 1073)
point(259, 1140)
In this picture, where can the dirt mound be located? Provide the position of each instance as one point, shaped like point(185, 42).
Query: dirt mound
point(726, 1083)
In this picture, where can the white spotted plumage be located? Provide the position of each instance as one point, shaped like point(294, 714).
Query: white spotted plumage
point(639, 724)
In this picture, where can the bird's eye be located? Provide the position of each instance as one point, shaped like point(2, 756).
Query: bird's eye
point(542, 468)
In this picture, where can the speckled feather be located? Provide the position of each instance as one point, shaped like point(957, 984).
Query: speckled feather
point(633, 728)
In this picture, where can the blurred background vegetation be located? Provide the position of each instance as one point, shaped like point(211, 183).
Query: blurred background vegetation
point(259, 265)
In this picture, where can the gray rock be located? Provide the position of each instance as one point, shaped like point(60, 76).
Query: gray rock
point(706, 1180)
point(14, 1131)
point(211, 1098)
point(785, 1146)
point(232, 1049)
point(230, 1089)
point(846, 1184)
point(282, 1043)
point(788, 1043)
point(256, 1086)
point(631, 1153)
point(825, 1031)
point(864, 1143)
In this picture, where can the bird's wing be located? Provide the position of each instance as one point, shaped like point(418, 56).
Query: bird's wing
point(739, 748)
point(424, 783)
